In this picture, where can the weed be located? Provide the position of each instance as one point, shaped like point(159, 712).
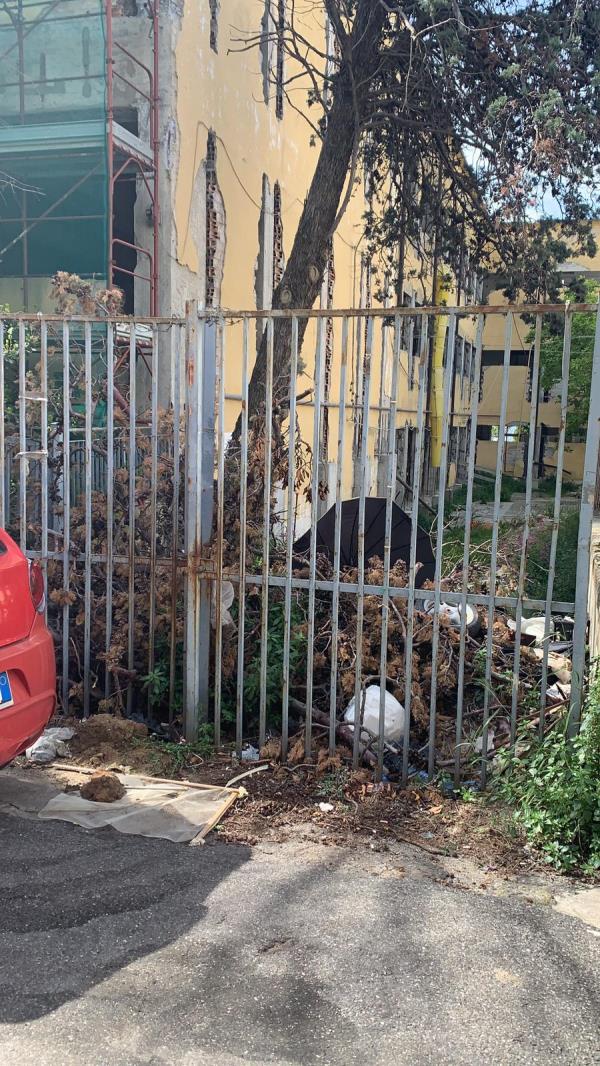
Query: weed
point(179, 754)
point(333, 785)
point(275, 649)
point(553, 784)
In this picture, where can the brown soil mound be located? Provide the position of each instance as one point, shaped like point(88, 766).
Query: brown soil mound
point(103, 787)
point(105, 735)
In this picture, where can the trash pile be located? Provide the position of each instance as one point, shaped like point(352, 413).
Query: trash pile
point(500, 672)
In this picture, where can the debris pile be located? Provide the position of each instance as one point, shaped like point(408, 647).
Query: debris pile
point(500, 670)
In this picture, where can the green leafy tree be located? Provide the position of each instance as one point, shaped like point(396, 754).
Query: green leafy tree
point(582, 349)
point(462, 116)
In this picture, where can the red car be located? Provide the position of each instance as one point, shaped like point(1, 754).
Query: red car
point(27, 663)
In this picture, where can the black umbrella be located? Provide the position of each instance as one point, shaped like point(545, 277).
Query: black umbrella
point(374, 537)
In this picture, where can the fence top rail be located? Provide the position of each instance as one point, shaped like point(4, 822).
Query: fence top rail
point(404, 312)
point(226, 314)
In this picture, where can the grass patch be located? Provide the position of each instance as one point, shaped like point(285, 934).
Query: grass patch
point(538, 560)
point(166, 757)
point(483, 492)
point(481, 544)
point(547, 486)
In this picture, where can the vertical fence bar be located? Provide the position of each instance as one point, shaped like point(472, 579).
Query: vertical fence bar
point(2, 431)
point(525, 539)
point(586, 516)
point(153, 504)
point(360, 595)
point(289, 544)
point(23, 461)
point(474, 399)
point(494, 556)
point(110, 473)
point(66, 491)
point(87, 625)
point(218, 586)
point(131, 525)
point(439, 547)
point(239, 715)
point(382, 429)
point(193, 479)
point(208, 364)
point(564, 404)
point(416, 488)
point(389, 500)
point(335, 603)
point(264, 629)
point(314, 515)
point(44, 457)
point(176, 349)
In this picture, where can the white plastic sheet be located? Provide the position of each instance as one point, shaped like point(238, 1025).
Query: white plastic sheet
point(171, 811)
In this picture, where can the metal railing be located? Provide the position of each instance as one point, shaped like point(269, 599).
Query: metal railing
point(196, 484)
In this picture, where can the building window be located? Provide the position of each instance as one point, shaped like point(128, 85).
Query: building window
point(280, 59)
point(415, 347)
point(453, 445)
point(214, 24)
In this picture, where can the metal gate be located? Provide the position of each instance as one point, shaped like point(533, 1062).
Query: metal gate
point(174, 495)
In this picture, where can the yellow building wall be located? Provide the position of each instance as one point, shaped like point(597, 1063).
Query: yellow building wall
point(519, 406)
point(223, 92)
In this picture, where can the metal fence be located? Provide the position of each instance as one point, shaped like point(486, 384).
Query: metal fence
point(172, 481)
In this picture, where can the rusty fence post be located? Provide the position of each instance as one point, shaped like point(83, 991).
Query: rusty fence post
point(200, 362)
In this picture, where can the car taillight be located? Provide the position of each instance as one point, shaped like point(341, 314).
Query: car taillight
point(36, 585)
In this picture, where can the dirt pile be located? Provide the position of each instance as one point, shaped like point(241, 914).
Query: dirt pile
point(102, 787)
point(104, 738)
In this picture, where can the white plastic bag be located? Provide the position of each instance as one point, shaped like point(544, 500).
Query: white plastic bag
point(49, 745)
point(394, 715)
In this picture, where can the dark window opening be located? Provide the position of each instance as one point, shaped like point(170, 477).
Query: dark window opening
point(280, 59)
point(124, 257)
point(495, 357)
point(127, 117)
point(214, 24)
point(124, 7)
point(484, 433)
point(278, 253)
point(415, 351)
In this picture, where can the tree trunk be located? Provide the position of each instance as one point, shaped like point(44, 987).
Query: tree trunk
point(303, 276)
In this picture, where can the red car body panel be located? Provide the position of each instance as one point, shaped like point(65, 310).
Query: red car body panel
point(26, 654)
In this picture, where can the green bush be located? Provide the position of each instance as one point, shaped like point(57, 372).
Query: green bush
point(553, 784)
point(538, 560)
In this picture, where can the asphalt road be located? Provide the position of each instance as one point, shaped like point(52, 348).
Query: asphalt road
point(123, 951)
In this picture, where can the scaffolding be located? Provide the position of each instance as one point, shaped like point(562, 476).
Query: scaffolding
point(78, 148)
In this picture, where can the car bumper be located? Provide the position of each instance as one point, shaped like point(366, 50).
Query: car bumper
point(31, 667)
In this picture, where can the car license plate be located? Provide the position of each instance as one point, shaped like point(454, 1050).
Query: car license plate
point(6, 696)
